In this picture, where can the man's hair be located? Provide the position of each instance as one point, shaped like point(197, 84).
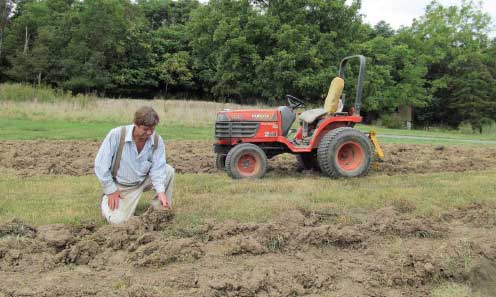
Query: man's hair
point(146, 116)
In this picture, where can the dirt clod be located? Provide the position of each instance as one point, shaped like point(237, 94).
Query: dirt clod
point(388, 221)
point(17, 228)
point(154, 219)
point(56, 235)
point(83, 252)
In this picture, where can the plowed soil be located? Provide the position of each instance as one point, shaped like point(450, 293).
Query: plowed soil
point(77, 158)
point(390, 253)
point(300, 254)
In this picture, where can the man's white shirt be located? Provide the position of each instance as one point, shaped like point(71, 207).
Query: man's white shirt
point(134, 166)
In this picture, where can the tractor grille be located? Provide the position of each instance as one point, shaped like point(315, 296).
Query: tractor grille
point(235, 129)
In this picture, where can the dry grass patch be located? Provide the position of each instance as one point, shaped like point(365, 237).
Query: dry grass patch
point(198, 197)
point(171, 112)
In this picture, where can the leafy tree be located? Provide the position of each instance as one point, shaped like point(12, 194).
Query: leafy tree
point(270, 48)
point(383, 29)
point(472, 91)
point(6, 9)
point(395, 75)
point(174, 71)
point(133, 73)
point(224, 55)
point(445, 36)
point(165, 13)
point(309, 39)
point(99, 32)
point(35, 39)
point(158, 35)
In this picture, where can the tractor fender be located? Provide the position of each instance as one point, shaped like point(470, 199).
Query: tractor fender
point(330, 124)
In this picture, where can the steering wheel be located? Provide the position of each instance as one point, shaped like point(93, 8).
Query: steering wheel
point(294, 102)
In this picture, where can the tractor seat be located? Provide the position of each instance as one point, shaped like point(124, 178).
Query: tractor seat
point(309, 116)
point(288, 117)
point(331, 105)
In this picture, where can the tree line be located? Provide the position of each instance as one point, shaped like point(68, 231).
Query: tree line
point(443, 65)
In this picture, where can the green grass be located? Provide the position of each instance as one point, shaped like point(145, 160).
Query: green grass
point(20, 129)
point(447, 134)
point(198, 197)
point(57, 129)
point(435, 141)
point(23, 129)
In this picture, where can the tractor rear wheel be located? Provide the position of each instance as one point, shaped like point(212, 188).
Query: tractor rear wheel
point(246, 160)
point(345, 152)
point(220, 161)
point(308, 161)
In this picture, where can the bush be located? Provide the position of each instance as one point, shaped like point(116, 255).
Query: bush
point(489, 127)
point(26, 92)
point(484, 126)
point(465, 128)
point(392, 121)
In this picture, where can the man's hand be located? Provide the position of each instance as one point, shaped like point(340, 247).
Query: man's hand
point(113, 200)
point(163, 200)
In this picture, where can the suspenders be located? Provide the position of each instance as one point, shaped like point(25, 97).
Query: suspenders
point(118, 155)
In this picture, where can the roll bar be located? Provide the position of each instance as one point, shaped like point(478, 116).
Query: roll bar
point(361, 78)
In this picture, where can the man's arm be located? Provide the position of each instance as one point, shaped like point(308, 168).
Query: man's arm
point(157, 172)
point(103, 161)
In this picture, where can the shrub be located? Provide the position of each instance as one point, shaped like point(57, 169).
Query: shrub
point(489, 127)
point(26, 92)
point(465, 128)
point(392, 121)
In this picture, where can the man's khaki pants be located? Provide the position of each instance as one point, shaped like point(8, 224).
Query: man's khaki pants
point(130, 197)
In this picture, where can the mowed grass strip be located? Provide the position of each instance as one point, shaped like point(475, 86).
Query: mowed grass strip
point(54, 129)
point(23, 129)
point(200, 197)
point(439, 133)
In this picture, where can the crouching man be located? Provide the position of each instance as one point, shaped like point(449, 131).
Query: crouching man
point(131, 160)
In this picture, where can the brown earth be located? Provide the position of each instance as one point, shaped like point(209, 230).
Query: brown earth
point(390, 253)
point(300, 254)
point(77, 157)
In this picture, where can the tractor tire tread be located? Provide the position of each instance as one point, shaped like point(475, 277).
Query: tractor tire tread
point(326, 165)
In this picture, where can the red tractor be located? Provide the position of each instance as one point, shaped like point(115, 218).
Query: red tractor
point(325, 139)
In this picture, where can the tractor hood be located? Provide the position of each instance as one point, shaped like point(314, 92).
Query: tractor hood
point(248, 115)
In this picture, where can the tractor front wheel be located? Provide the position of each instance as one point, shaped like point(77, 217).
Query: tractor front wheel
point(246, 160)
point(345, 152)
